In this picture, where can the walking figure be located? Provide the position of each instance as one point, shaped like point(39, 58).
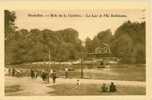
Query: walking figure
point(9, 71)
point(43, 75)
point(13, 71)
point(54, 77)
point(36, 74)
point(32, 74)
point(50, 72)
point(48, 76)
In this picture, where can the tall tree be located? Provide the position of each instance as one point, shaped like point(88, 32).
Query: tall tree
point(9, 17)
point(129, 42)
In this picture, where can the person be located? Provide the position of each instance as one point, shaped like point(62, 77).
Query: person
point(112, 87)
point(36, 74)
point(54, 77)
point(50, 72)
point(32, 74)
point(48, 77)
point(103, 88)
point(43, 75)
point(66, 72)
point(13, 71)
point(108, 87)
point(9, 71)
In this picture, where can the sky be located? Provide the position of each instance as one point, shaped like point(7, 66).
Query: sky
point(86, 26)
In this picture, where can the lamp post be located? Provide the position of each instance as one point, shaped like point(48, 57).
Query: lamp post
point(49, 56)
point(82, 74)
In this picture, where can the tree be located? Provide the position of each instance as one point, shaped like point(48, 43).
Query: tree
point(9, 29)
point(89, 45)
point(9, 23)
point(129, 42)
point(102, 37)
point(105, 36)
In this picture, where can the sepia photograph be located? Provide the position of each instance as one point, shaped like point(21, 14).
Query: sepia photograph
point(75, 52)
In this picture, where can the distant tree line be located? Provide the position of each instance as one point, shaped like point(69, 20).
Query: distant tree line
point(22, 45)
point(128, 42)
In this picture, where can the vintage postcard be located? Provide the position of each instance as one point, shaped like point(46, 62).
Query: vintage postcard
point(76, 51)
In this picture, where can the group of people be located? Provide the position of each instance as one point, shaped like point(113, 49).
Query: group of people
point(108, 87)
point(14, 72)
point(34, 73)
point(45, 75)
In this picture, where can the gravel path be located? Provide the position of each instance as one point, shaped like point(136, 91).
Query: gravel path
point(33, 87)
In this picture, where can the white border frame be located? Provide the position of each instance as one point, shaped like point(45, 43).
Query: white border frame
point(13, 5)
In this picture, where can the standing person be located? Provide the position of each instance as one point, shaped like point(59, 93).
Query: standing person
point(43, 75)
point(51, 72)
point(35, 74)
point(9, 71)
point(54, 77)
point(66, 72)
point(32, 74)
point(13, 71)
point(103, 88)
point(48, 76)
point(107, 88)
point(112, 87)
